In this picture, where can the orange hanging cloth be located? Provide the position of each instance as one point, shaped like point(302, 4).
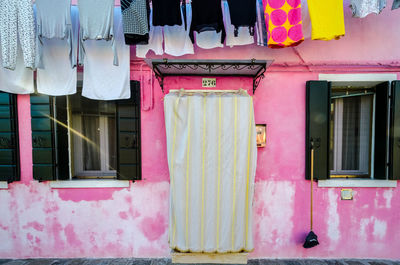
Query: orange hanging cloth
point(283, 21)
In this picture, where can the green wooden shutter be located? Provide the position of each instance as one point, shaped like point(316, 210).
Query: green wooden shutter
point(9, 142)
point(381, 128)
point(394, 143)
point(317, 128)
point(49, 139)
point(128, 136)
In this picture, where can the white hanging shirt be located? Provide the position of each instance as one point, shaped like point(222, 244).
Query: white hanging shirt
point(101, 79)
point(54, 21)
point(176, 39)
point(57, 78)
point(243, 38)
point(155, 41)
point(208, 40)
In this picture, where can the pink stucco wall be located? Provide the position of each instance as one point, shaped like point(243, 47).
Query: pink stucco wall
point(38, 221)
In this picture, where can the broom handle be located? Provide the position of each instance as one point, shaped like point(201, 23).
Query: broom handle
point(312, 180)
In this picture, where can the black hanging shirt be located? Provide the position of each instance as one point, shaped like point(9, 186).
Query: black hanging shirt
point(243, 14)
point(207, 16)
point(166, 12)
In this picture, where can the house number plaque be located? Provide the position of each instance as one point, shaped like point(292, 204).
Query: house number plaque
point(209, 82)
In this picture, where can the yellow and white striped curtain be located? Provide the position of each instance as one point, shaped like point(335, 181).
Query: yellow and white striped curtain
point(212, 154)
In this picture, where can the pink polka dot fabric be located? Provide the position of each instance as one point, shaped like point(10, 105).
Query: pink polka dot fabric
point(283, 21)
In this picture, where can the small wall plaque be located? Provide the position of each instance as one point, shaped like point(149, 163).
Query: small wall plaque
point(261, 135)
point(346, 194)
point(209, 82)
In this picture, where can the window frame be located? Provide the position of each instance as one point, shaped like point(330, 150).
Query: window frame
point(75, 149)
point(60, 170)
point(366, 171)
point(359, 182)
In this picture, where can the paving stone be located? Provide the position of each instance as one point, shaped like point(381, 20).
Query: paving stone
point(159, 262)
point(128, 262)
point(314, 262)
point(379, 263)
point(167, 261)
point(265, 262)
point(334, 262)
point(355, 262)
point(72, 261)
point(15, 262)
point(40, 261)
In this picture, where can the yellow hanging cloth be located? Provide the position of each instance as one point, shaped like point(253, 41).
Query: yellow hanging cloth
point(327, 19)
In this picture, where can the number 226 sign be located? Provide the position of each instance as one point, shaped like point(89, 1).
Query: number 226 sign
point(209, 82)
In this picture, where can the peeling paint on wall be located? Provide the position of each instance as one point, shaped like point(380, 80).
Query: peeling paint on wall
point(333, 217)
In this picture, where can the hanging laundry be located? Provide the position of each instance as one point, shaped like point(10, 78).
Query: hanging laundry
point(135, 18)
point(327, 19)
point(16, 19)
point(102, 80)
point(362, 8)
point(58, 78)
point(242, 14)
point(176, 39)
point(209, 40)
point(18, 81)
point(54, 21)
point(167, 12)
point(261, 27)
point(155, 42)
point(243, 35)
point(283, 19)
point(396, 4)
point(96, 19)
point(305, 20)
point(207, 16)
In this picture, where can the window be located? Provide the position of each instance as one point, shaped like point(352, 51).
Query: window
point(351, 120)
point(353, 129)
point(74, 137)
point(9, 148)
point(93, 139)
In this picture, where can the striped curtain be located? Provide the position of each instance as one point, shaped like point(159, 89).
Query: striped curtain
point(212, 155)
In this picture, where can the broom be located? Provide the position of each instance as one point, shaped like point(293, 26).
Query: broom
point(311, 239)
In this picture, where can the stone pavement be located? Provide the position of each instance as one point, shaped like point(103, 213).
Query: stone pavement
point(85, 261)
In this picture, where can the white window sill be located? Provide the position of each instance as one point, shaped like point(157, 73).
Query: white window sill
point(357, 183)
point(3, 185)
point(95, 183)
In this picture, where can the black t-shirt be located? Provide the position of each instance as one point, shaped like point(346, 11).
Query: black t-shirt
point(166, 12)
point(207, 16)
point(243, 13)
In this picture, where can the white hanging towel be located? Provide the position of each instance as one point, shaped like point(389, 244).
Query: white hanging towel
point(212, 154)
point(176, 39)
point(155, 41)
point(243, 38)
point(101, 79)
point(57, 77)
point(18, 81)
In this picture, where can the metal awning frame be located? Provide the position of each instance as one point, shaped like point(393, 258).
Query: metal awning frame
point(216, 68)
